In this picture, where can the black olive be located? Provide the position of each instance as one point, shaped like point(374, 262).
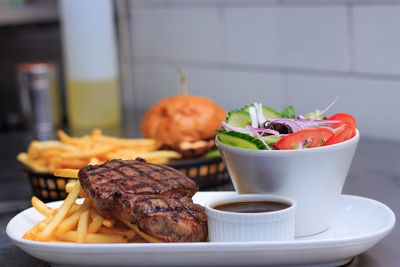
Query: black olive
point(282, 128)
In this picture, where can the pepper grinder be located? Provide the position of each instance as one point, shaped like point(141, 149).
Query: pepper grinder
point(39, 97)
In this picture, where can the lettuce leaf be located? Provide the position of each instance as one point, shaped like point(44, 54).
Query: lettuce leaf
point(313, 115)
point(288, 113)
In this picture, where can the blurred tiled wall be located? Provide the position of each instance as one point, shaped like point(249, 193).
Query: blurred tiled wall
point(288, 52)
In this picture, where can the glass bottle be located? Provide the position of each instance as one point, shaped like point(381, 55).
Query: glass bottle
point(89, 44)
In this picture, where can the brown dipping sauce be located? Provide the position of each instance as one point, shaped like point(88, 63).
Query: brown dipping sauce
point(252, 206)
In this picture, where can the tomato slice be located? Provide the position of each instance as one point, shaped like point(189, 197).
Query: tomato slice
point(348, 130)
point(341, 135)
point(347, 120)
point(293, 140)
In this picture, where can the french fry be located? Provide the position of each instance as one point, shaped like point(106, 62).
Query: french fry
point(77, 152)
point(52, 144)
point(74, 163)
point(162, 154)
point(71, 173)
point(71, 222)
point(73, 208)
point(158, 160)
point(82, 227)
point(54, 163)
point(97, 132)
point(159, 157)
point(33, 151)
point(93, 161)
point(87, 153)
point(127, 153)
point(69, 186)
point(82, 194)
point(139, 142)
point(23, 158)
point(61, 213)
point(97, 221)
point(32, 234)
point(41, 207)
point(109, 222)
point(71, 140)
point(145, 236)
point(93, 238)
point(41, 161)
point(120, 155)
point(126, 233)
point(45, 155)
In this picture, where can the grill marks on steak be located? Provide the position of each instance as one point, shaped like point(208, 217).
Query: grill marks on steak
point(157, 198)
point(171, 219)
point(107, 182)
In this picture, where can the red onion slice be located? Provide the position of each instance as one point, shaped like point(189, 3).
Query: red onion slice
point(260, 116)
point(301, 145)
point(236, 129)
point(268, 131)
point(325, 110)
point(253, 117)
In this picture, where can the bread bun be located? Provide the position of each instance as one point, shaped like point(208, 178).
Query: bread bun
point(182, 118)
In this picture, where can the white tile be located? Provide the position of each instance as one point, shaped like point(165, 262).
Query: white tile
point(152, 83)
point(180, 3)
point(149, 3)
point(234, 89)
point(373, 103)
point(252, 36)
point(377, 39)
point(300, 37)
point(230, 89)
point(314, 37)
point(181, 33)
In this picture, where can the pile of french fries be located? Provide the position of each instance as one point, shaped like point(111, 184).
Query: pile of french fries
point(82, 223)
point(77, 152)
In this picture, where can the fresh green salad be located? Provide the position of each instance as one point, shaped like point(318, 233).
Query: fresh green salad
point(256, 126)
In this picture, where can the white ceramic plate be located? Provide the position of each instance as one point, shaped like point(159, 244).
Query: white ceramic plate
point(359, 224)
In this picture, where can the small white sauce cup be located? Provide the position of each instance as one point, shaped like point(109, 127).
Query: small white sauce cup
point(224, 226)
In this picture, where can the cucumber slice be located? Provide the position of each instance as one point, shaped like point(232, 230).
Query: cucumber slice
point(271, 139)
point(238, 118)
point(268, 113)
point(235, 139)
point(212, 153)
point(246, 108)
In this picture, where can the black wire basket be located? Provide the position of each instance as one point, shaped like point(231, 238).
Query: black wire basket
point(205, 172)
point(48, 187)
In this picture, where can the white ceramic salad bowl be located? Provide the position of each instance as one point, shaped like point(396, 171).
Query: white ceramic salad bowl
point(313, 177)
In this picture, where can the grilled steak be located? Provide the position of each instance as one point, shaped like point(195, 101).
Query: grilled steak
point(173, 219)
point(105, 183)
point(157, 198)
